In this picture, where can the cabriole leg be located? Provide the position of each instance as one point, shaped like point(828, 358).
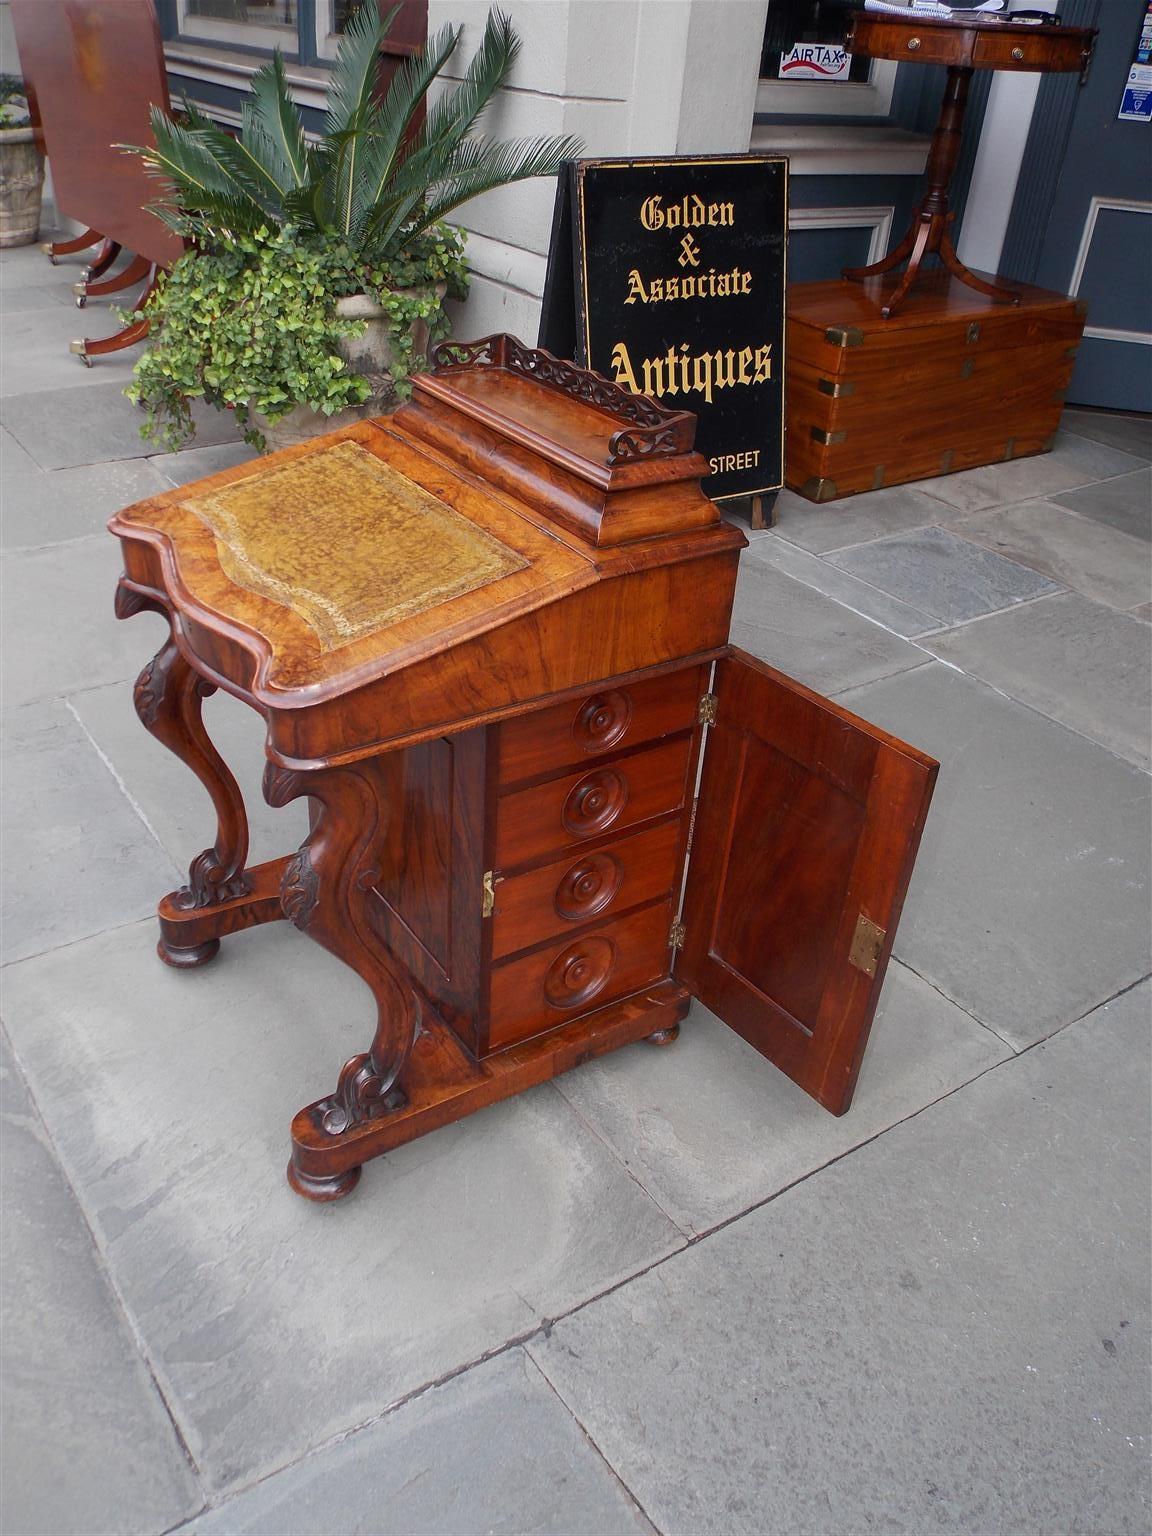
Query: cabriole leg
point(325, 893)
point(168, 697)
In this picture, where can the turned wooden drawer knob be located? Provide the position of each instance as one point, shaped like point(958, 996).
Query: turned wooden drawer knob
point(588, 886)
point(913, 44)
point(602, 720)
point(579, 972)
point(595, 802)
point(1018, 55)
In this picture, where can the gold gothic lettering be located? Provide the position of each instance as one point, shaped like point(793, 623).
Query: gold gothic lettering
point(702, 285)
point(690, 212)
point(678, 372)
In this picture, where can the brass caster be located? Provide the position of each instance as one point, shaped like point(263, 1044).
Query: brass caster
point(77, 348)
point(81, 300)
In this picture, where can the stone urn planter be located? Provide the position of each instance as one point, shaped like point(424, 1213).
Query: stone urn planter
point(21, 186)
point(371, 355)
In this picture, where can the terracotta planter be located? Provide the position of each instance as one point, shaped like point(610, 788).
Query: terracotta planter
point(371, 354)
point(21, 185)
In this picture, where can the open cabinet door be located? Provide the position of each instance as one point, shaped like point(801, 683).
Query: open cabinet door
point(806, 832)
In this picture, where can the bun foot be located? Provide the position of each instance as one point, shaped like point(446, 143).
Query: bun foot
point(667, 1036)
point(186, 959)
point(333, 1186)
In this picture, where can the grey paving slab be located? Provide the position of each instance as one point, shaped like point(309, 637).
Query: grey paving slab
point(1101, 562)
point(33, 296)
point(1077, 661)
point(88, 1444)
point(1030, 899)
point(1143, 612)
point(13, 459)
point(452, 1463)
point(943, 575)
point(825, 577)
point(78, 859)
point(710, 1128)
point(27, 266)
point(1133, 434)
point(971, 490)
point(810, 636)
point(48, 507)
point(948, 1331)
point(274, 1324)
point(64, 427)
point(197, 463)
point(36, 355)
point(59, 632)
point(169, 795)
point(1124, 503)
point(854, 519)
point(1095, 460)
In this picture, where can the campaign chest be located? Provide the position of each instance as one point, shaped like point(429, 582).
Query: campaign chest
point(549, 802)
point(951, 381)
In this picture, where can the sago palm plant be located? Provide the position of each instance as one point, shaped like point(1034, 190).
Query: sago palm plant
point(383, 171)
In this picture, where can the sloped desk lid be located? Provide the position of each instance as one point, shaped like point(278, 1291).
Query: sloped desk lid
point(480, 548)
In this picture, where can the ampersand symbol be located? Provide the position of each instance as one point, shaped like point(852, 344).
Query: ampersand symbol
point(689, 252)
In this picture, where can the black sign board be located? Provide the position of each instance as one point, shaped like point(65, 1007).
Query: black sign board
point(668, 277)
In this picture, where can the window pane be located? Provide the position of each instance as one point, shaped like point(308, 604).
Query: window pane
point(262, 13)
point(344, 10)
point(794, 22)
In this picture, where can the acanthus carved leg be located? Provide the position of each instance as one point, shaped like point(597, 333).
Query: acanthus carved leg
point(168, 697)
point(325, 893)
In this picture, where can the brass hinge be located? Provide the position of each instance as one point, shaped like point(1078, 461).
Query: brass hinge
point(867, 945)
point(966, 368)
point(973, 332)
point(676, 936)
point(488, 906)
point(706, 709)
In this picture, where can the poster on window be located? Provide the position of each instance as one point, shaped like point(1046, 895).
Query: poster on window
point(1136, 102)
point(667, 276)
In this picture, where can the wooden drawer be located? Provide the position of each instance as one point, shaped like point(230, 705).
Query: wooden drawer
point(580, 806)
point(604, 721)
point(561, 981)
point(583, 887)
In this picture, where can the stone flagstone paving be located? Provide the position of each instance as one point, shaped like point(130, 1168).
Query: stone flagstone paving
point(667, 1293)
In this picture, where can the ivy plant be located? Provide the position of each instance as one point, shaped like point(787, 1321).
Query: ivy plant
point(250, 324)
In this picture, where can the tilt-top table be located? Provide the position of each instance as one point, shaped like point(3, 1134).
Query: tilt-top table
point(488, 640)
point(963, 45)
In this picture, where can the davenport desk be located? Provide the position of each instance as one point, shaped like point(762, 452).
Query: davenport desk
point(488, 638)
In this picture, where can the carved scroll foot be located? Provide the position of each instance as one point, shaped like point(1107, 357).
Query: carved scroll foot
point(325, 893)
point(668, 1036)
point(185, 957)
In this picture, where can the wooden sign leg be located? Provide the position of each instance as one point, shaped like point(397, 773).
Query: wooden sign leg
point(764, 510)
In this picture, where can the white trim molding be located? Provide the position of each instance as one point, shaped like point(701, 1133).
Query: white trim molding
point(1095, 208)
point(878, 220)
point(844, 149)
point(216, 66)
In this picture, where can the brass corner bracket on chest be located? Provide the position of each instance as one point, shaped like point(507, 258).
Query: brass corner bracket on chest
point(706, 709)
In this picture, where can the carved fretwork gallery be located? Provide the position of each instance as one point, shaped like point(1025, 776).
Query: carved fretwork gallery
point(548, 802)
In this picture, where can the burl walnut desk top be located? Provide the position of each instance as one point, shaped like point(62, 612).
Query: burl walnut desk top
point(549, 802)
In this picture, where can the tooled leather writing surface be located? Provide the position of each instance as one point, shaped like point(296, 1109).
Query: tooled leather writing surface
point(347, 543)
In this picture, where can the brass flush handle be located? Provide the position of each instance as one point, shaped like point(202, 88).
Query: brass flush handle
point(913, 44)
point(1018, 55)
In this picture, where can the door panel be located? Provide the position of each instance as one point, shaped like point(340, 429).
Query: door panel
point(807, 828)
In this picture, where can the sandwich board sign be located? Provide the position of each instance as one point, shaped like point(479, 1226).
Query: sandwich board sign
point(668, 276)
